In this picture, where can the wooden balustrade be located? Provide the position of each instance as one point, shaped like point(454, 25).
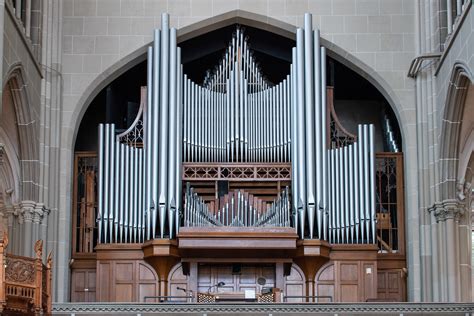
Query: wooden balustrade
point(25, 283)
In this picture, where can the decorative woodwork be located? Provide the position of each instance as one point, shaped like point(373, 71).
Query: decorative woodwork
point(338, 136)
point(25, 283)
point(84, 202)
point(294, 285)
point(123, 275)
point(350, 276)
point(237, 171)
point(390, 202)
point(235, 242)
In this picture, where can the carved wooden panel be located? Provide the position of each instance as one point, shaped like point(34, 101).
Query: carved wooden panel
point(177, 279)
point(295, 284)
point(83, 285)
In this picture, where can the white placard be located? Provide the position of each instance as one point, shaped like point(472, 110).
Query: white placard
point(249, 294)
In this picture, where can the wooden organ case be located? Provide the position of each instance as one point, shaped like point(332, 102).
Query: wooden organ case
point(238, 190)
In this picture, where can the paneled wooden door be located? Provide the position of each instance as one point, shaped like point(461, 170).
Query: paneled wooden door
point(83, 285)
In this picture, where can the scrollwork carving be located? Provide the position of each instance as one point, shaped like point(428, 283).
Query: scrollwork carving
point(19, 271)
point(39, 248)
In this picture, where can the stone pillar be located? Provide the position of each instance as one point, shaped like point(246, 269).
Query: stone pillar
point(18, 234)
point(464, 235)
point(447, 214)
point(28, 214)
point(11, 219)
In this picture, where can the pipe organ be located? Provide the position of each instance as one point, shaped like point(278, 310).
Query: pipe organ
point(235, 116)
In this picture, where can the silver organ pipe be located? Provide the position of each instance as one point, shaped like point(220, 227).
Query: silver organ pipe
point(172, 133)
point(300, 136)
point(309, 127)
point(153, 199)
point(323, 204)
point(178, 143)
point(236, 116)
point(100, 190)
point(105, 162)
point(238, 209)
point(164, 120)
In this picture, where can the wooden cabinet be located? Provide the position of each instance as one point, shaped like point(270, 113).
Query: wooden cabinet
point(235, 281)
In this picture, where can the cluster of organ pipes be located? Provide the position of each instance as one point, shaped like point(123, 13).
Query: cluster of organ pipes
point(140, 191)
point(236, 116)
point(238, 208)
point(323, 201)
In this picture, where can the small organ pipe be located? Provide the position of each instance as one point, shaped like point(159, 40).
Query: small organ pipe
point(107, 181)
point(126, 204)
point(351, 190)
point(122, 193)
point(118, 162)
point(346, 195)
point(371, 177)
point(100, 211)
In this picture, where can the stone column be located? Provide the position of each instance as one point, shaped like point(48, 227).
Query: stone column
point(464, 193)
point(18, 230)
point(447, 214)
point(11, 219)
point(28, 18)
point(28, 214)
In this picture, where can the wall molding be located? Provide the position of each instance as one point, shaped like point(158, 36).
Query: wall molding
point(377, 308)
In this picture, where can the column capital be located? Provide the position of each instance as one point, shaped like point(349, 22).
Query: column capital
point(30, 211)
point(447, 209)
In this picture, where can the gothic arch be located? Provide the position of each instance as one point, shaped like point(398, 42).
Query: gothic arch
point(24, 149)
point(458, 86)
point(243, 17)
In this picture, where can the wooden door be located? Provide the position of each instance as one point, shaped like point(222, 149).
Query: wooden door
point(390, 285)
point(83, 285)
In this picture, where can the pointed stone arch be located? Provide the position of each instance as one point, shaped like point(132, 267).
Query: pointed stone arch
point(460, 80)
point(232, 17)
point(26, 127)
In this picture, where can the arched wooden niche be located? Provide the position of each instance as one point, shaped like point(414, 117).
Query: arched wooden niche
point(325, 282)
point(295, 284)
point(177, 279)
